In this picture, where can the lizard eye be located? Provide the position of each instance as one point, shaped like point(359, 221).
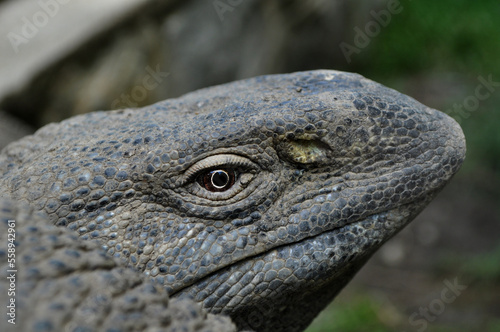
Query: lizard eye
point(217, 180)
point(220, 177)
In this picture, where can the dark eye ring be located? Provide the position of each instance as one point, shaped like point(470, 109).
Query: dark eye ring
point(217, 180)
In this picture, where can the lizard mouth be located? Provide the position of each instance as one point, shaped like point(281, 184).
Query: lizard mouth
point(293, 270)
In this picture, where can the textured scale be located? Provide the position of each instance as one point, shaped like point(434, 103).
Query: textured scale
point(330, 165)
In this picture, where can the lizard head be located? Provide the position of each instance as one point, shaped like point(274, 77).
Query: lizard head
point(259, 199)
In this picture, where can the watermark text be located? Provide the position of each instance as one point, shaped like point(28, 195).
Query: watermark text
point(363, 37)
point(482, 91)
point(138, 93)
point(32, 25)
point(224, 6)
point(11, 272)
point(451, 291)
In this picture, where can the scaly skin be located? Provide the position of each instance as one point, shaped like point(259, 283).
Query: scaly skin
point(66, 284)
point(326, 167)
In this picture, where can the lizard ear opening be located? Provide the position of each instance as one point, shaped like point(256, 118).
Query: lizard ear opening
point(304, 151)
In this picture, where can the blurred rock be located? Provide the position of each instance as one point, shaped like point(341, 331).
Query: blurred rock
point(90, 55)
point(51, 47)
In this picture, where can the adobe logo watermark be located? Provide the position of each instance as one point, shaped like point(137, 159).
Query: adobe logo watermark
point(32, 25)
point(363, 38)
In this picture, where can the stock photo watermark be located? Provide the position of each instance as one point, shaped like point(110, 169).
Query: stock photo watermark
point(363, 37)
point(428, 314)
point(32, 25)
point(224, 6)
point(150, 81)
point(482, 91)
point(11, 272)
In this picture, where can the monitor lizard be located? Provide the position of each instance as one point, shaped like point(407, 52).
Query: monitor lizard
point(258, 199)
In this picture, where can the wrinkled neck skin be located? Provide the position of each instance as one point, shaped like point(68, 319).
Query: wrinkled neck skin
point(323, 168)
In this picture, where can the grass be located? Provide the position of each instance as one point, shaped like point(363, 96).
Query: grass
point(360, 313)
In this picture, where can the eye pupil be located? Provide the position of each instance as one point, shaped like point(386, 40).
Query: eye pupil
point(217, 180)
